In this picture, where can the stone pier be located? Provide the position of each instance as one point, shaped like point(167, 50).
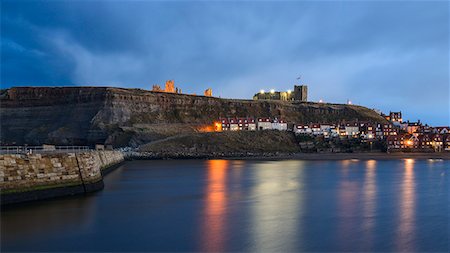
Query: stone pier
point(41, 176)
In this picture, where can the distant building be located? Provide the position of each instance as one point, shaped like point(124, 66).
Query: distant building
point(351, 129)
point(246, 124)
point(441, 130)
point(395, 117)
point(316, 130)
point(447, 143)
point(169, 87)
point(437, 142)
point(225, 124)
point(208, 92)
point(425, 142)
point(264, 123)
point(302, 129)
point(234, 126)
point(251, 124)
point(300, 93)
point(413, 127)
point(368, 131)
point(279, 124)
point(157, 88)
point(394, 142)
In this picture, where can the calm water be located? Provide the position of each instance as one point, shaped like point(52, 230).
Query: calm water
point(263, 206)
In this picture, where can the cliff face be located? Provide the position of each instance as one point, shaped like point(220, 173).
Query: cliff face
point(89, 115)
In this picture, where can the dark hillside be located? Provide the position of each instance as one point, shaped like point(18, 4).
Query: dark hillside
point(89, 115)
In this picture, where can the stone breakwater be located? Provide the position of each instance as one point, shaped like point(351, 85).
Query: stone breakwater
point(138, 155)
point(41, 176)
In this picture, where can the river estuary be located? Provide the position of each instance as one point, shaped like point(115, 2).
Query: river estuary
point(231, 205)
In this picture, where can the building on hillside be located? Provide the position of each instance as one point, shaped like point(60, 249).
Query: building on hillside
point(394, 142)
point(368, 131)
point(425, 142)
point(437, 142)
point(441, 130)
point(246, 124)
point(279, 124)
point(251, 124)
point(264, 124)
point(300, 93)
point(334, 131)
point(395, 117)
point(316, 130)
point(351, 129)
point(325, 129)
point(388, 130)
point(234, 126)
point(413, 127)
point(447, 142)
point(425, 129)
point(208, 92)
point(302, 129)
point(379, 131)
point(225, 124)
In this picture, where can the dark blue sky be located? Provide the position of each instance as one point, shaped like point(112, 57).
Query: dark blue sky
point(380, 54)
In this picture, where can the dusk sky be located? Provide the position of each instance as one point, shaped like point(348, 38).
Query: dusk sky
point(379, 54)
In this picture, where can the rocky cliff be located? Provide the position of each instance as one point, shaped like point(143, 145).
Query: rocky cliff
point(89, 115)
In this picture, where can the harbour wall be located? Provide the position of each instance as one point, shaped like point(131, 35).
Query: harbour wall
point(41, 176)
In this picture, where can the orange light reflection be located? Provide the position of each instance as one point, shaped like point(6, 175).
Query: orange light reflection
point(213, 228)
point(405, 233)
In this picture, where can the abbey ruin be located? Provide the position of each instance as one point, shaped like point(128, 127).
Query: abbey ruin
point(170, 88)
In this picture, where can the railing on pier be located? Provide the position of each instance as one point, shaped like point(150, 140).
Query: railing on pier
point(42, 149)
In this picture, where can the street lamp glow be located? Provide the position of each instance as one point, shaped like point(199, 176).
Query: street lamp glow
point(289, 91)
point(272, 91)
point(261, 91)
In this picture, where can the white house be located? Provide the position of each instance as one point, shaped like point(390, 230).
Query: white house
point(352, 129)
point(234, 125)
point(279, 124)
point(264, 124)
point(251, 124)
point(302, 129)
point(316, 130)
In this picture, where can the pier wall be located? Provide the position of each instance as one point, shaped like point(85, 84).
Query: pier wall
point(37, 176)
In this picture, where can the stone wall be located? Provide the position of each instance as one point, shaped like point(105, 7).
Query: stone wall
point(21, 173)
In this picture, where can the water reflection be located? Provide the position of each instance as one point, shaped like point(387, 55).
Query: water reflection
point(369, 206)
point(214, 220)
point(347, 206)
point(277, 209)
point(406, 229)
point(345, 164)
